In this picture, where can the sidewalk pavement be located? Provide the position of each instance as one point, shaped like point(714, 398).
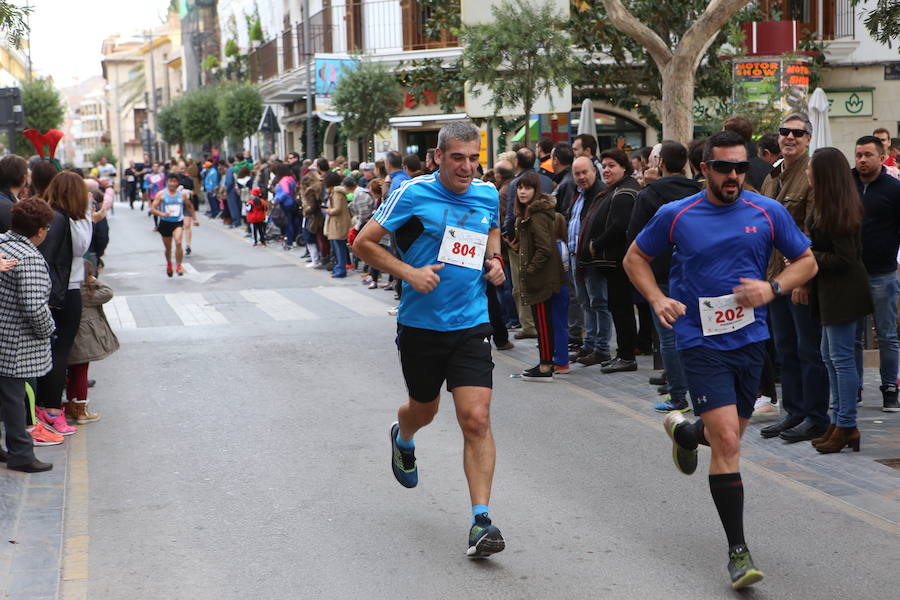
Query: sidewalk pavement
point(858, 479)
point(31, 528)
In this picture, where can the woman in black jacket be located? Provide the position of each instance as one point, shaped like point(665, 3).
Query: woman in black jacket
point(67, 240)
point(839, 294)
point(606, 232)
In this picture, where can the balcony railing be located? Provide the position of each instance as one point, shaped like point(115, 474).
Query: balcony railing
point(356, 26)
point(837, 18)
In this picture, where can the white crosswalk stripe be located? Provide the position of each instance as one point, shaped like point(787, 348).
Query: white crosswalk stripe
point(240, 306)
point(277, 306)
point(358, 303)
point(192, 309)
point(119, 315)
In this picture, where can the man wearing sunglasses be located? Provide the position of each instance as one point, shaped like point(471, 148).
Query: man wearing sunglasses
point(797, 334)
point(721, 240)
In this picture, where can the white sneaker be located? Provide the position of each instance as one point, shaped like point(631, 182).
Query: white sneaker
point(393, 311)
point(764, 408)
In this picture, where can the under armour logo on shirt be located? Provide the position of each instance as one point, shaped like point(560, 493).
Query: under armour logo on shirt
point(484, 219)
point(750, 229)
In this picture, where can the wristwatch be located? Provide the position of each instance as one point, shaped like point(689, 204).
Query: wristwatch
point(776, 287)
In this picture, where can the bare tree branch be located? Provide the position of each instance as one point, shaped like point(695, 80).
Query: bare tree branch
point(628, 24)
point(701, 34)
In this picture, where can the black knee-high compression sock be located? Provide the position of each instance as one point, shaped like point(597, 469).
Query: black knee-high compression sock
point(689, 435)
point(728, 494)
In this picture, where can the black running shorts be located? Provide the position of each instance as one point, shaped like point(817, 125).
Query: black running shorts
point(167, 228)
point(428, 358)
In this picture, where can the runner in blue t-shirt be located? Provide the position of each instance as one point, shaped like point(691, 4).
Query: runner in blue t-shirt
point(721, 240)
point(446, 226)
point(170, 206)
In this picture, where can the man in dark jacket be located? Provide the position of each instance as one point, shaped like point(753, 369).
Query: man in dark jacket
point(563, 157)
point(673, 185)
point(13, 175)
point(589, 284)
point(880, 195)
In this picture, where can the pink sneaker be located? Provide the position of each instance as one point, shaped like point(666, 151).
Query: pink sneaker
point(55, 424)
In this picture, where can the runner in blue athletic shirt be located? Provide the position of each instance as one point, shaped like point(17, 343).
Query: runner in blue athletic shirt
point(721, 239)
point(446, 226)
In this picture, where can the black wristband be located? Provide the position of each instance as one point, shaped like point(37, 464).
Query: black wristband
point(776, 287)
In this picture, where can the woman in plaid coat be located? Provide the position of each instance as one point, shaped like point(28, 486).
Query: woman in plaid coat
point(25, 326)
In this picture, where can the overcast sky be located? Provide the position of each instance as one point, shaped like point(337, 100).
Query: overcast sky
point(66, 35)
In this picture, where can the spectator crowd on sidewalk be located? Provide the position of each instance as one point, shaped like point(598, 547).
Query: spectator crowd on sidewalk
point(568, 215)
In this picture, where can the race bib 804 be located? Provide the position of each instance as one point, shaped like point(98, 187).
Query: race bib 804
point(463, 248)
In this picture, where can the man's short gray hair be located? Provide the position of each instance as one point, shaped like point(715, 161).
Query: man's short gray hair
point(464, 131)
point(799, 117)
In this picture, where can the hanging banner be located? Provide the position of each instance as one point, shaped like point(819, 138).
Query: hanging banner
point(762, 80)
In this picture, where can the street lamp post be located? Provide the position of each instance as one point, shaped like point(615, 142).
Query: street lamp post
point(157, 152)
point(307, 54)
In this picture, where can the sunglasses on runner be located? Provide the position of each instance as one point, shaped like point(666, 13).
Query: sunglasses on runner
point(798, 133)
point(726, 166)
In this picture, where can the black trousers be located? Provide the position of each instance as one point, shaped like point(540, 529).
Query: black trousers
point(68, 317)
point(13, 411)
point(621, 305)
point(259, 231)
point(501, 334)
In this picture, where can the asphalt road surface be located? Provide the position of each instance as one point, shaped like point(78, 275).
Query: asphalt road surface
point(243, 453)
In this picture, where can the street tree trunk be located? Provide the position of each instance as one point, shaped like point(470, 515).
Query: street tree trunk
point(677, 67)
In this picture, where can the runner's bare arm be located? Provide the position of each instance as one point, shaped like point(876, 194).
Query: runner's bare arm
point(637, 266)
point(494, 274)
point(755, 292)
point(153, 207)
point(366, 246)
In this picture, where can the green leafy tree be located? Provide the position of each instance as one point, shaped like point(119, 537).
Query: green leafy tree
point(104, 150)
point(883, 22)
point(199, 112)
point(524, 54)
point(14, 21)
point(366, 97)
point(240, 109)
point(429, 80)
point(43, 109)
point(168, 122)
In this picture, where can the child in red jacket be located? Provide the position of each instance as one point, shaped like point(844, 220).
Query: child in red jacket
point(256, 216)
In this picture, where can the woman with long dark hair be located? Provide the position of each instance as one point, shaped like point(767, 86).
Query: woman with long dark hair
point(839, 295)
point(67, 240)
point(540, 269)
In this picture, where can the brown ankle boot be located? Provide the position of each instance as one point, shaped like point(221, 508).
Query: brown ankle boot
point(70, 410)
point(820, 440)
point(842, 437)
point(82, 414)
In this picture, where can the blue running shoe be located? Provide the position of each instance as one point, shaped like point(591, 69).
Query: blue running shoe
point(670, 405)
point(403, 461)
point(484, 538)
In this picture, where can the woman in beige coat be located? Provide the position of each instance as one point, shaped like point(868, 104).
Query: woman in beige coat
point(95, 341)
point(337, 223)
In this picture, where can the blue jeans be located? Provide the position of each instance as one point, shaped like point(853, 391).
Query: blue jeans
point(234, 209)
point(339, 250)
point(670, 357)
point(592, 296)
point(213, 199)
point(838, 352)
point(559, 315)
point(885, 291)
point(798, 341)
